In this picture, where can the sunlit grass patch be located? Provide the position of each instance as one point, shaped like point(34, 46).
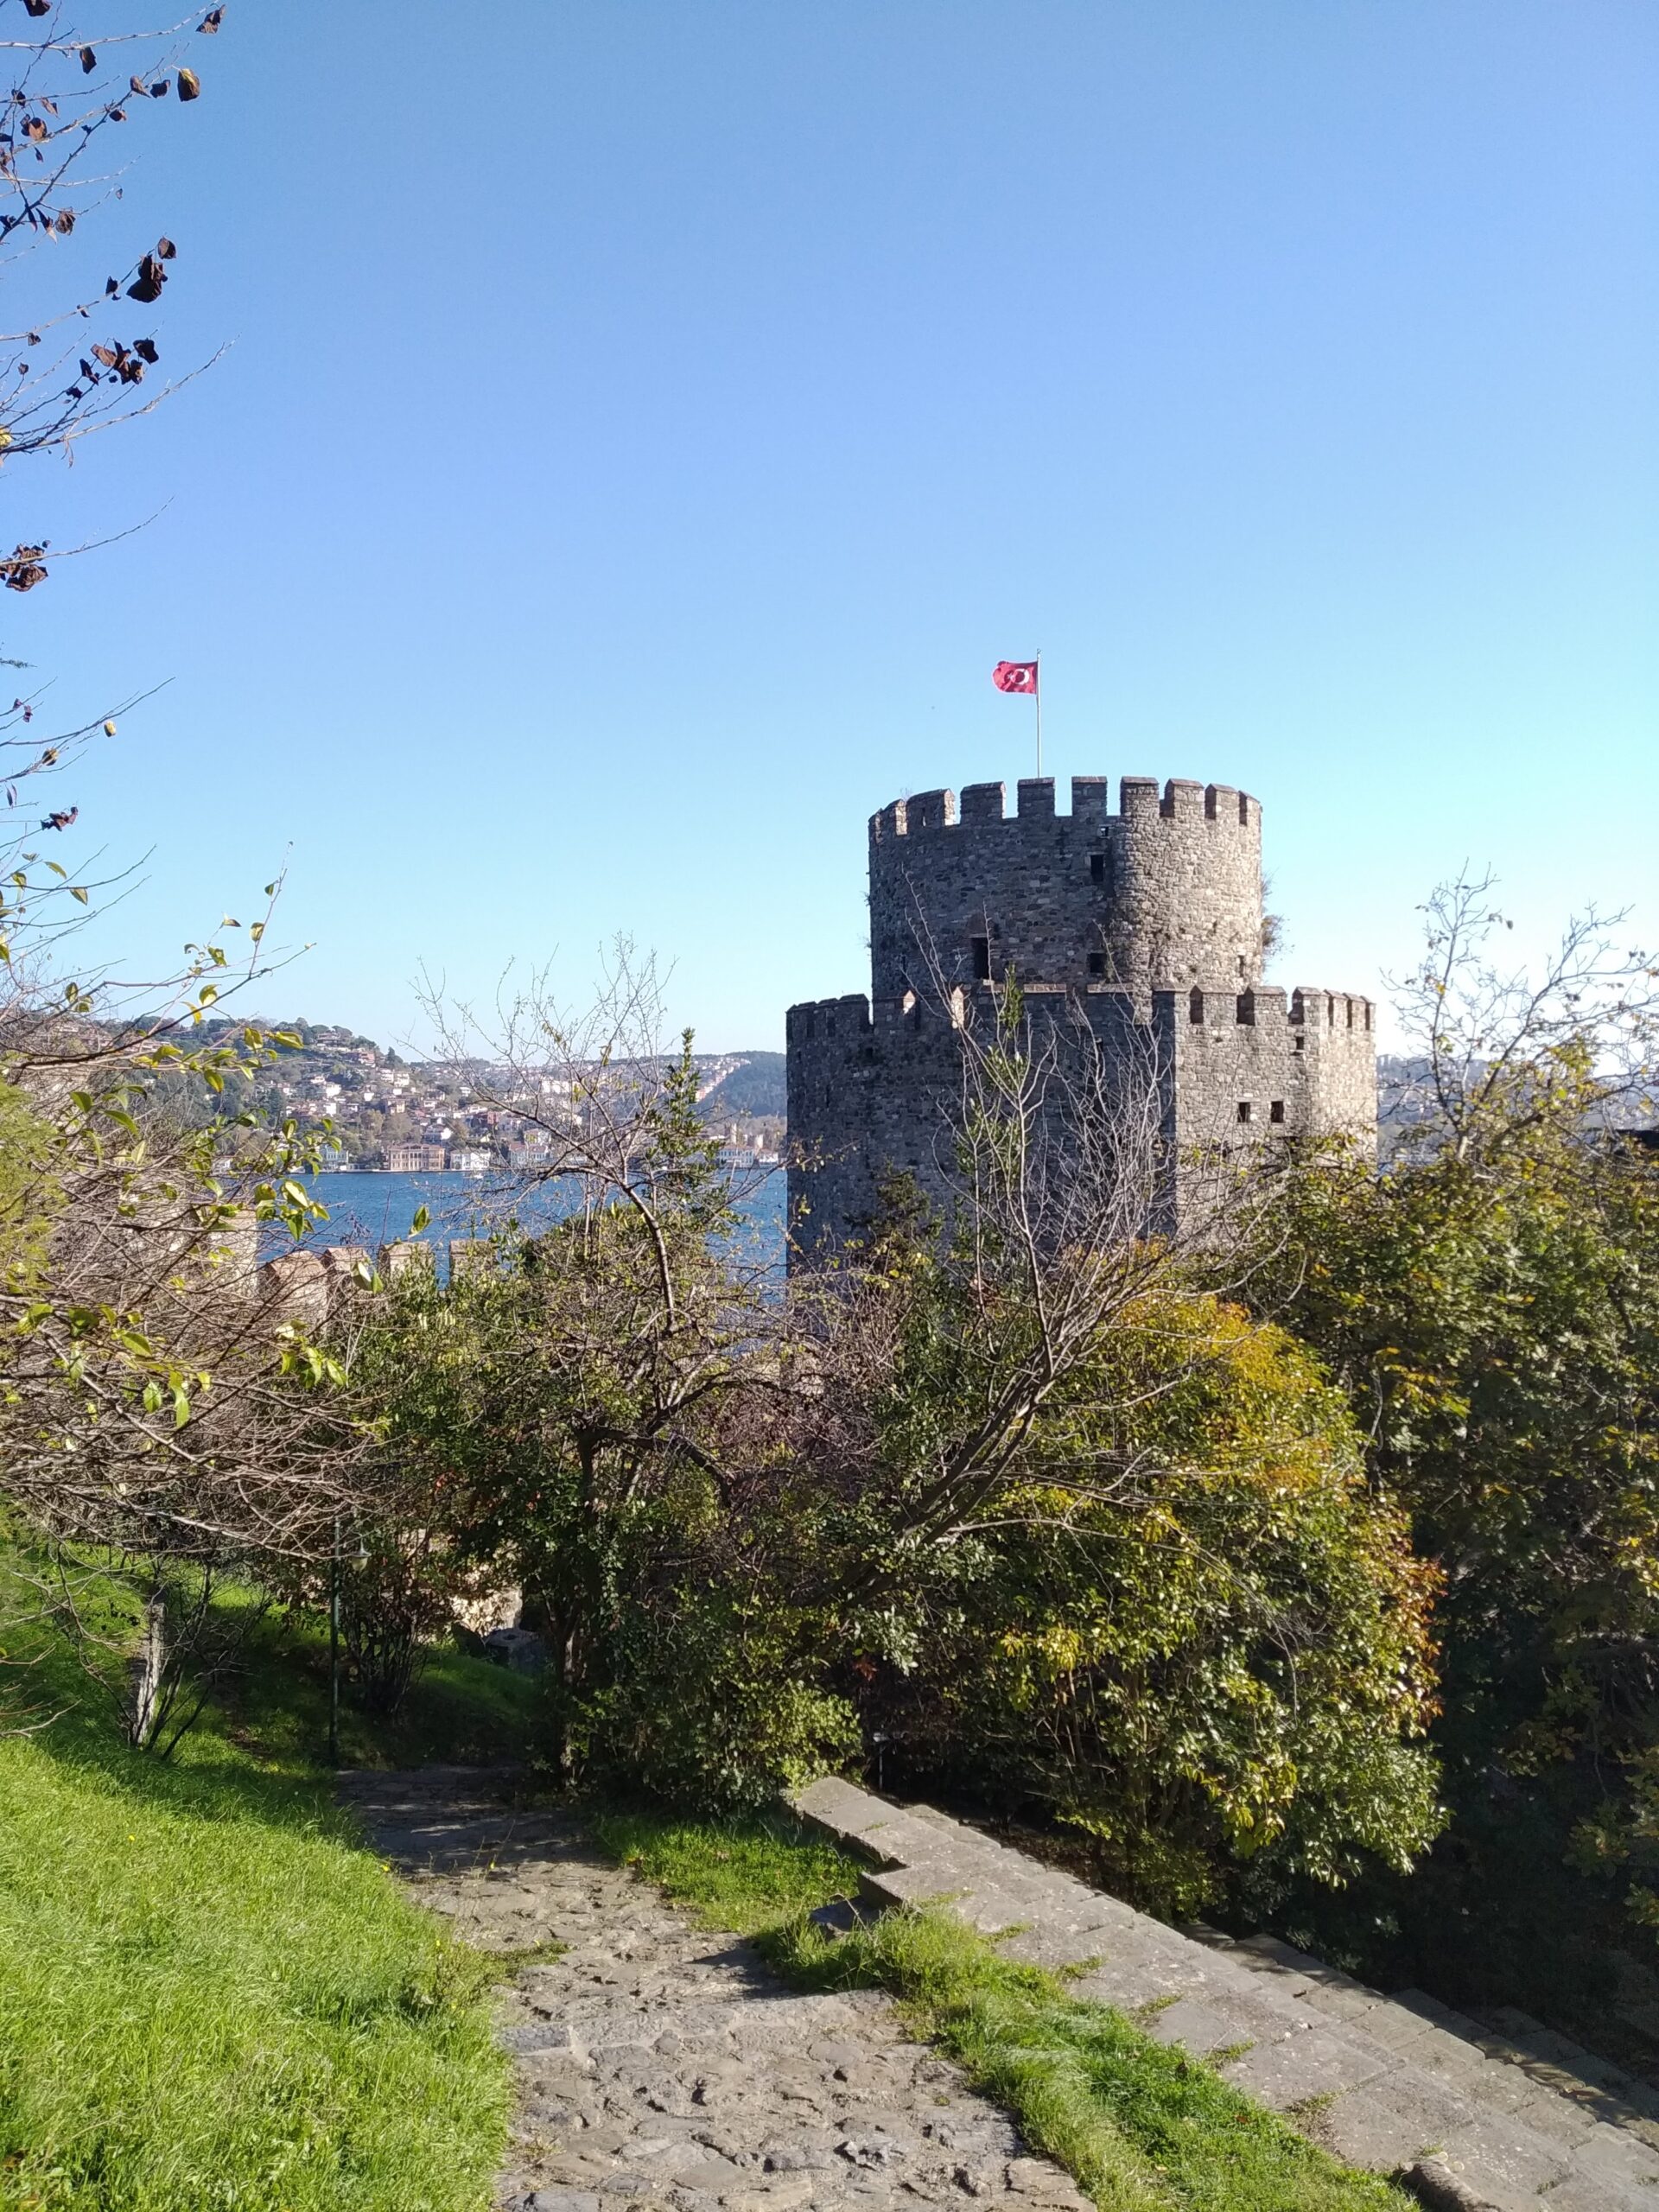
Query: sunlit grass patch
point(210, 1996)
point(744, 1875)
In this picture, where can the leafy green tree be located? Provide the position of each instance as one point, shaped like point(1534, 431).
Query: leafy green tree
point(1178, 1622)
point(1490, 1306)
point(594, 1410)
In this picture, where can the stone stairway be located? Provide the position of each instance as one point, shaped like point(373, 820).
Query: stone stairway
point(1472, 2117)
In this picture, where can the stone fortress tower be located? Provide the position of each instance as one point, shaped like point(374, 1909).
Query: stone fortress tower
point(1145, 923)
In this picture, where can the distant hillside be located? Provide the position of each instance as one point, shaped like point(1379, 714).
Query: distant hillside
point(755, 1087)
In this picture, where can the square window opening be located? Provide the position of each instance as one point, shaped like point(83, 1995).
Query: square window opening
point(1276, 1111)
point(981, 950)
point(1096, 963)
point(1244, 1109)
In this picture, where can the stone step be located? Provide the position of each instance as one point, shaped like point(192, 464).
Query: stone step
point(1605, 2091)
point(1499, 2114)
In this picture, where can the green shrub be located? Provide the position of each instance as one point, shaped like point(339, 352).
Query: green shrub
point(714, 1708)
point(1181, 1622)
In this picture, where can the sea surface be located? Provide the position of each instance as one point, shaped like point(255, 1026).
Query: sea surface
point(379, 1209)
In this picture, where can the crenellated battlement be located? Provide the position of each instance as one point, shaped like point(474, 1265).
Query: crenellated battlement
point(1140, 799)
point(823, 1019)
point(855, 1017)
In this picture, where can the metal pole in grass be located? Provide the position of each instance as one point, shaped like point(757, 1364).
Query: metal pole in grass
point(333, 1650)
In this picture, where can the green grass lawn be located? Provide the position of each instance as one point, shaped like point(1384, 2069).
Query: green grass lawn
point(210, 1995)
point(1143, 2128)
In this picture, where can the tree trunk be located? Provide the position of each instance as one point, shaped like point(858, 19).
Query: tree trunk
point(149, 1671)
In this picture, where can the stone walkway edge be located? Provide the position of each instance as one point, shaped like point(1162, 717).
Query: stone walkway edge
point(1472, 2120)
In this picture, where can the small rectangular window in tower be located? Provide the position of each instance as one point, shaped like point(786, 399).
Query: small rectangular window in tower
point(1097, 868)
point(982, 946)
point(1096, 963)
point(1244, 1109)
point(1299, 1044)
point(1276, 1110)
point(1195, 1007)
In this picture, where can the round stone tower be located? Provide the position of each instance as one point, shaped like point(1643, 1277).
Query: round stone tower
point(1137, 939)
point(1164, 895)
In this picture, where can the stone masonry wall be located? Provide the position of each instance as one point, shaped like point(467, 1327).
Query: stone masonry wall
point(866, 1095)
point(1262, 1065)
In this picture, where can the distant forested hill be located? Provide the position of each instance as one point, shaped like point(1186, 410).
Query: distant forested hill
point(757, 1087)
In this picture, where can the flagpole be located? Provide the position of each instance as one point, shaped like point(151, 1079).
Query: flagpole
point(1039, 714)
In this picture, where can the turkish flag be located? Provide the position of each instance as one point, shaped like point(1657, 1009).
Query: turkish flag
point(1015, 676)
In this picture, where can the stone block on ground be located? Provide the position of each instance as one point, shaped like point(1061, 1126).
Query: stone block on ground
point(1389, 2122)
point(1504, 2157)
point(1198, 2027)
point(1302, 2069)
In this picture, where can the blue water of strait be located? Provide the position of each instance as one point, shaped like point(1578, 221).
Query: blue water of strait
point(379, 1209)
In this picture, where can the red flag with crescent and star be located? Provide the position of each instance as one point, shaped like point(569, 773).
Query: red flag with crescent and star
point(1015, 676)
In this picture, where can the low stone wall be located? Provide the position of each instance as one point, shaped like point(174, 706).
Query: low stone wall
point(1401, 2085)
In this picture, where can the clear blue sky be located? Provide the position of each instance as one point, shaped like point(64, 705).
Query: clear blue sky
point(647, 422)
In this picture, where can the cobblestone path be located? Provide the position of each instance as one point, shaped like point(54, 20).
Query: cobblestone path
point(658, 2065)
